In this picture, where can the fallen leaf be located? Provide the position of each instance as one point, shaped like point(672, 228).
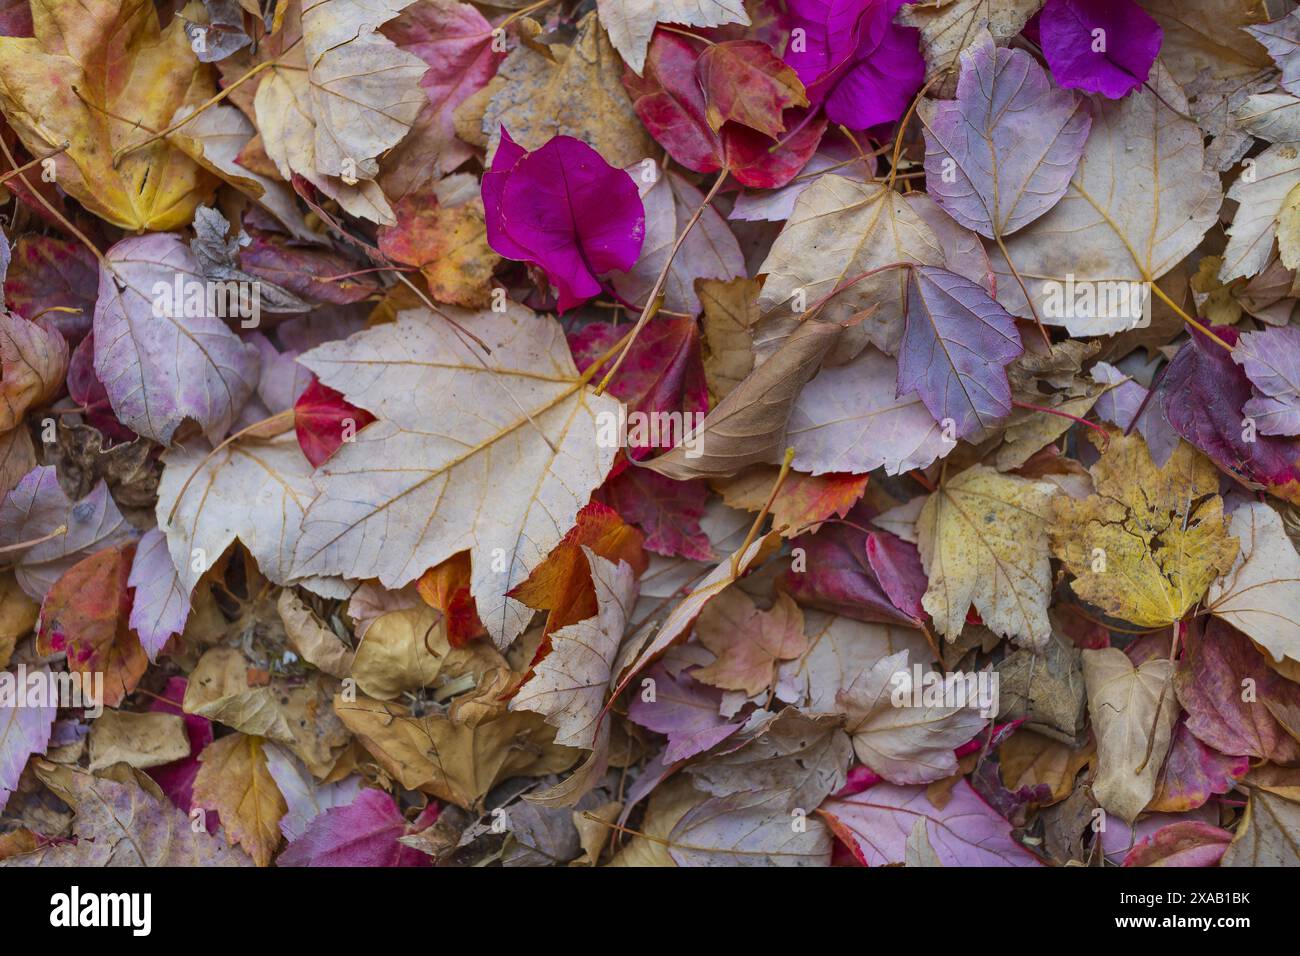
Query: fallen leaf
point(576, 93)
point(234, 781)
point(749, 643)
point(121, 824)
point(56, 88)
point(983, 542)
point(902, 742)
point(139, 740)
point(568, 686)
point(1146, 546)
point(1259, 594)
point(161, 349)
point(1133, 712)
point(876, 823)
point(545, 426)
point(85, 616)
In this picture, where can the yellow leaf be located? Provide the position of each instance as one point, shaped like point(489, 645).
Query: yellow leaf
point(101, 75)
point(983, 541)
point(234, 780)
point(1146, 546)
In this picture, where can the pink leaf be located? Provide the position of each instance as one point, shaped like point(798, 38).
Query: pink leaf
point(876, 823)
point(563, 208)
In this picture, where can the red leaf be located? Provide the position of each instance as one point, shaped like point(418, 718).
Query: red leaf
point(85, 615)
point(670, 102)
point(323, 421)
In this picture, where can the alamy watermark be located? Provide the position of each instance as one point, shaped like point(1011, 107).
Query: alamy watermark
point(222, 299)
point(922, 687)
point(42, 688)
point(1098, 299)
point(636, 429)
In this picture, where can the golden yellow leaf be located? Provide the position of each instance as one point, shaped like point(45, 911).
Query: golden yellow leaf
point(1146, 546)
point(101, 75)
point(235, 781)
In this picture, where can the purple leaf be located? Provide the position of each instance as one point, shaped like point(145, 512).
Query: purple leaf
point(839, 576)
point(1203, 393)
point(363, 834)
point(1002, 153)
point(36, 508)
point(160, 606)
point(23, 731)
point(1194, 772)
point(875, 825)
point(1099, 46)
point(956, 345)
point(855, 60)
point(563, 208)
point(685, 710)
point(1208, 682)
point(668, 511)
point(1186, 843)
point(161, 353)
point(49, 273)
point(88, 391)
point(1125, 399)
point(1281, 38)
point(1271, 360)
point(897, 565)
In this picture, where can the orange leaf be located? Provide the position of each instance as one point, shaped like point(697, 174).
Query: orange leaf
point(446, 588)
point(562, 583)
point(86, 614)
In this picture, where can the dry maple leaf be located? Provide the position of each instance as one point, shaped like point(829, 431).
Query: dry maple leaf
point(121, 824)
point(101, 76)
point(576, 92)
point(1146, 546)
point(568, 687)
point(341, 94)
point(1260, 594)
point(495, 453)
point(749, 643)
point(1133, 712)
point(234, 781)
point(983, 540)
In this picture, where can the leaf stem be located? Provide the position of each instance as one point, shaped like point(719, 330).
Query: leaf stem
point(655, 299)
point(1187, 318)
point(22, 545)
point(1029, 300)
point(1074, 418)
point(786, 462)
point(35, 162)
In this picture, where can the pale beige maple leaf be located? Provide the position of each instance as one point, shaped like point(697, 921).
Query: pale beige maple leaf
point(1132, 738)
point(1138, 205)
point(340, 98)
point(256, 491)
point(492, 452)
point(1260, 595)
